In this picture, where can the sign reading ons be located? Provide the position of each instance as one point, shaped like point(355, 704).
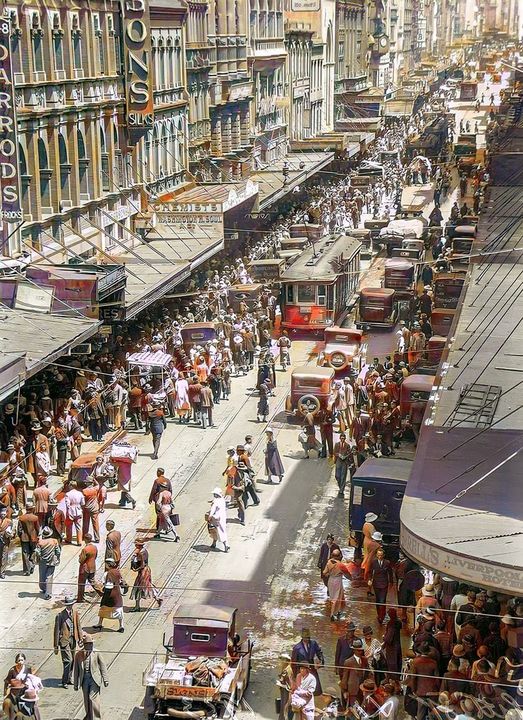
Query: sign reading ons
point(139, 80)
point(10, 210)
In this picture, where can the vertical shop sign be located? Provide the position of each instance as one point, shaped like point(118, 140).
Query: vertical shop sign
point(138, 68)
point(10, 208)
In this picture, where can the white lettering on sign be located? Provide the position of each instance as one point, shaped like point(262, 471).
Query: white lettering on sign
point(139, 81)
point(476, 571)
point(10, 208)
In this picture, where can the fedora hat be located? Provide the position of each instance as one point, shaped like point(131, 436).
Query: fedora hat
point(458, 651)
point(370, 517)
point(357, 644)
point(47, 532)
point(428, 591)
point(368, 686)
point(69, 600)
point(9, 408)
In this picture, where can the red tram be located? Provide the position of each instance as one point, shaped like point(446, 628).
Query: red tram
point(317, 287)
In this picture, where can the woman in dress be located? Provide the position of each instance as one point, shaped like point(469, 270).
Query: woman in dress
point(111, 604)
point(217, 519)
point(273, 463)
point(143, 587)
point(308, 435)
point(326, 550)
point(19, 671)
point(334, 571)
point(392, 644)
point(181, 402)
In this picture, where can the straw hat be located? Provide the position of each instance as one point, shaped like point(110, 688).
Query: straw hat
point(368, 686)
point(370, 517)
point(428, 591)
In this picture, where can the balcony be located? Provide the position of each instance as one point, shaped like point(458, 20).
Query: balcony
point(268, 53)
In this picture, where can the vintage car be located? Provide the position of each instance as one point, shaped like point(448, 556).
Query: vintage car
point(309, 230)
point(197, 333)
point(343, 349)
point(461, 250)
point(428, 364)
point(377, 308)
point(378, 487)
point(206, 667)
point(441, 320)
point(295, 243)
point(249, 294)
point(399, 276)
point(447, 289)
point(310, 390)
point(268, 270)
point(414, 389)
point(411, 248)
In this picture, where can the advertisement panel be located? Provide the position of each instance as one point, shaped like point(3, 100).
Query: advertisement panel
point(10, 208)
point(75, 289)
point(139, 72)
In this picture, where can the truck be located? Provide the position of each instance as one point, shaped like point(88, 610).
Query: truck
point(205, 670)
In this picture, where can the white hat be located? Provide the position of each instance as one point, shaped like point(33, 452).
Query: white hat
point(377, 536)
point(428, 591)
point(370, 517)
point(217, 491)
point(269, 430)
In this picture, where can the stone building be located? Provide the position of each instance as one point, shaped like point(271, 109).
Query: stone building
point(77, 180)
point(351, 71)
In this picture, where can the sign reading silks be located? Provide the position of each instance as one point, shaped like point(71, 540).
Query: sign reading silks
point(138, 68)
point(10, 208)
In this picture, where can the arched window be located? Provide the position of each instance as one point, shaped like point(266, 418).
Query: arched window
point(44, 172)
point(83, 166)
point(104, 164)
point(65, 168)
point(22, 160)
point(81, 145)
point(62, 149)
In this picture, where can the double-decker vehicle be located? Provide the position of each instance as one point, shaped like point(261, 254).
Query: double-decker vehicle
point(317, 287)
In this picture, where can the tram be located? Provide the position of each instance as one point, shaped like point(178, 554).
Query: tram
point(317, 287)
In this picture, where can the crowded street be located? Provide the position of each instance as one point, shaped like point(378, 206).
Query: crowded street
point(177, 467)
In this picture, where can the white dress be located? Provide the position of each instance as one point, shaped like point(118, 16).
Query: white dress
point(218, 512)
point(306, 689)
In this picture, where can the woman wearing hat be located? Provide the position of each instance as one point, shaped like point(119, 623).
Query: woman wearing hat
point(143, 587)
point(373, 545)
point(48, 553)
point(217, 519)
point(273, 461)
point(111, 604)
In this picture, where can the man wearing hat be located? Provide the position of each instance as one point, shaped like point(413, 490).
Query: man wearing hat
point(355, 669)
point(66, 636)
point(344, 648)
point(41, 497)
point(380, 579)
point(424, 678)
point(344, 460)
point(90, 673)
point(369, 700)
point(307, 651)
point(28, 529)
point(87, 568)
point(48, 553)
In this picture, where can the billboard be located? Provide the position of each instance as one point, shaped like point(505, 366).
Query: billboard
point(138, 68)
point(10, 208)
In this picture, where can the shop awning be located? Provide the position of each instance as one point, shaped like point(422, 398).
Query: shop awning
point(38, 339)
point(169, 256)
point(398, 108)
point(221, 197)
point(271, 186)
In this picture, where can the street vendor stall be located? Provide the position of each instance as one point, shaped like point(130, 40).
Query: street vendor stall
point(155, 363)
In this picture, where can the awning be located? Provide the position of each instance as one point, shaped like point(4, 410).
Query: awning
point(40, 339)
point(12, 373)
point(220, 197)
point(171, 253)
point(150, 359)
point(270, 182)
point(398, 108)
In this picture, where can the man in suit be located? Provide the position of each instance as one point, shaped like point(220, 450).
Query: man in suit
point(344, 648)
point(380, 577)
point(424, 679)
point(89, 674)
point(344, 461)
point(67, 635)
point(306, 651)
point(87, 569)
point(113, 541)
point(354, 673)
point(28, 528)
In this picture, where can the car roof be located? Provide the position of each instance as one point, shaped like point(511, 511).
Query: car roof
point(419, 382)
point(205, 613)
point(306, 371)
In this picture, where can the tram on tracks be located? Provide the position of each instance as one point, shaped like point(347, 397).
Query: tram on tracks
point(318, 286)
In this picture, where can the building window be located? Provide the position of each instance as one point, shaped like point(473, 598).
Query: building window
point(45, 173)
point(58, 48)
point(77, 51)
point(38, 53)
point(99, 43)
point(105, 166)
